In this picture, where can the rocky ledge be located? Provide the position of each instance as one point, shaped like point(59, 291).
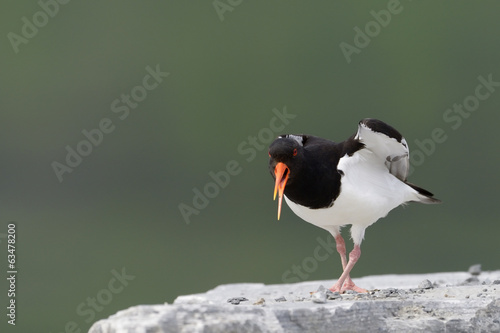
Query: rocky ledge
point(438, 302)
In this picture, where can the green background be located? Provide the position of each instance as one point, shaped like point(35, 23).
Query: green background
point(119, 209)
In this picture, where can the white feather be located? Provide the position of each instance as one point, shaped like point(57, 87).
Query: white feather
point(395, 154)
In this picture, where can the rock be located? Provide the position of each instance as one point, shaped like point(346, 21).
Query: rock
point(392, 305)
point(332, 295)
point(320, 295)
point(384, 293)
point(488, 318)
point(426, 284)
point(473, 280)
point(475, 269)
point(260, 301)
point(351, 292)
point(237, 300)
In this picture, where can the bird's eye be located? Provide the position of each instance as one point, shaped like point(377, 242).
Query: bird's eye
point(295, 152)
point(269, 153)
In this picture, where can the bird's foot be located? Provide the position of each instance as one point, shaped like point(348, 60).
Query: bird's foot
point(347, 285)
point(336, 289)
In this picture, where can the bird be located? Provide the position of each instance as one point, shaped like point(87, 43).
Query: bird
point(354, 182)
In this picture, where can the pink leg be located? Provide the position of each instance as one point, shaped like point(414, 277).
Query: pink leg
point(345, 277)
point(348, 284)
point(341, 250)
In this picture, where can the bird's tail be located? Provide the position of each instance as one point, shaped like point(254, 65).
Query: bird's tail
point(424, 196)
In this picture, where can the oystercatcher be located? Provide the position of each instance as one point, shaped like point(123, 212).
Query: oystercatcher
point(354, 182)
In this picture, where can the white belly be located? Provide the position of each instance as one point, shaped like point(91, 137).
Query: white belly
point(368, 193)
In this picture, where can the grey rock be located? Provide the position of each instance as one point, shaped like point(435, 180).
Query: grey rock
point(320, 295)
point(473, 280)
point(333, 295)
point(390, 306)
point(236, 300)
point(475, 269)
point(351, 292)
point(389, 292)
point(426, 284)
point(347, 297)
point(488, 319)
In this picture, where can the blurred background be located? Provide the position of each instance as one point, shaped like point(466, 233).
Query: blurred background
point(118, 227)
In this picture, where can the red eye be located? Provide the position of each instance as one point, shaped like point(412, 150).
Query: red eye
point(269, 154)
point(295, 152)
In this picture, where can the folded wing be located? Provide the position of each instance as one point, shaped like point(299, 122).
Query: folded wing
point(387, 144)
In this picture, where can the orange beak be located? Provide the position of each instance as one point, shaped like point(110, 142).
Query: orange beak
point(279, 186)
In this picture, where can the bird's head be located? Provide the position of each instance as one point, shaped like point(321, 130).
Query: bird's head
point(285, 161)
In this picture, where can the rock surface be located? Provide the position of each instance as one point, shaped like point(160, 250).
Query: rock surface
point(438, 302)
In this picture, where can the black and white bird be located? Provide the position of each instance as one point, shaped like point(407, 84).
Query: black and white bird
point(356, 182)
